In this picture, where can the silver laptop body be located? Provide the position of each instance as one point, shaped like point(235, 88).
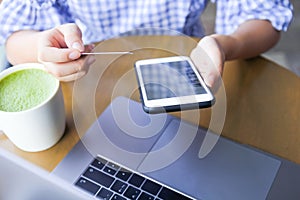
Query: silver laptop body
point(164, 150)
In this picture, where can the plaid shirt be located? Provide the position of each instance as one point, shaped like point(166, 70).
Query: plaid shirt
point(104, 19)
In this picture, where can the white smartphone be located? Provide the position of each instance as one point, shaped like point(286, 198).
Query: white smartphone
point(171, 84)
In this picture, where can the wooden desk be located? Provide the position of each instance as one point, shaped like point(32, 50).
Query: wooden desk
point(261, 99)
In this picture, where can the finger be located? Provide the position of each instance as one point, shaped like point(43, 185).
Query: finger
point(204, 65)
point(210, 75)
point(72, 35)
point(78, 75)
point(52, 38)
point(53, 47)
point(89, 60)
point(57, 55)
point(208, 58)
point(213, 50)
point(89, 47)
point(61, 70)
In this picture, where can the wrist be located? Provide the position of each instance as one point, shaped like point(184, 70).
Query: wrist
point(17, 46)
point(229, 45)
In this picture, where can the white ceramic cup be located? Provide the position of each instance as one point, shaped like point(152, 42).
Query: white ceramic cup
point(37, 128)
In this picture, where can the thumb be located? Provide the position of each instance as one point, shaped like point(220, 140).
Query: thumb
point(72, 36)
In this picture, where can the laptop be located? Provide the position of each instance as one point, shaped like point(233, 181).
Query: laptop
point(21, 180)
point(129, 154)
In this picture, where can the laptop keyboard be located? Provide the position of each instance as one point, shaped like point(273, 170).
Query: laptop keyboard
point(107, 180)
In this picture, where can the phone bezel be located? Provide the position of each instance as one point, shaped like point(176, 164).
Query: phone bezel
point(172, 103)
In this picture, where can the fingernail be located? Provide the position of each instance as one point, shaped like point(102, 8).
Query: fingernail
point(74, 55)
point(78, 46)
point(92, 46)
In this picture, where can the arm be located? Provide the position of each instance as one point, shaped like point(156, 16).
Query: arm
point(251, 38)
point(246, 29)
point(21, 47)
point(59, 49)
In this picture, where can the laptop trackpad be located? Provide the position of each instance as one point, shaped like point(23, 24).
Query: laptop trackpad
point(229, 171)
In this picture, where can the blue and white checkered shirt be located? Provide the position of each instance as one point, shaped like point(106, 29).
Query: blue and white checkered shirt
point(103, 19)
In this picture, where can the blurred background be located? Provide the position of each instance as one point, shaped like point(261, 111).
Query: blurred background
point(286, 52)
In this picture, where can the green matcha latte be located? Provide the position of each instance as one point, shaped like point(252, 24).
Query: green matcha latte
point(25, 89)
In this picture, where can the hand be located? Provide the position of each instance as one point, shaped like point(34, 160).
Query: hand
point(59, 49)
point(209, 58)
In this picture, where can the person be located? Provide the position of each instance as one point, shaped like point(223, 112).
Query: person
point(55, 32)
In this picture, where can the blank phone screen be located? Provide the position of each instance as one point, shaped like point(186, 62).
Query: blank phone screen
point(170, 79)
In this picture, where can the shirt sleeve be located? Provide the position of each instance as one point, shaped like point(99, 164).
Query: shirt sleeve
point(231, 13)
point(40, 15)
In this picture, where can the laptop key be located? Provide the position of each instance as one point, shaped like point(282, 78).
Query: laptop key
point(151, 187)
point(119, 186)
point(87, 185)
point(132, 193)
point(168, 194)
point(98, 163)
point(145, 196)
point(136, 180)
point(118, 197)
point(98, 177)
point(104, 173)
point(104, 194)
point(109, 170)
point(113, 166)
point(123, 174)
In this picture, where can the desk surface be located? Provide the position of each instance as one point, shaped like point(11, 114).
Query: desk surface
point(260, 99)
